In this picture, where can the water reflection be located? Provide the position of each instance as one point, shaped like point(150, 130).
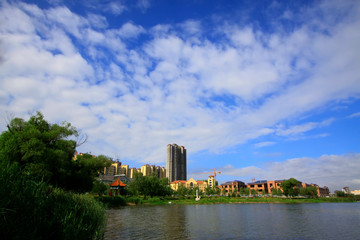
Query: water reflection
point(147, 222)
point(236, 221)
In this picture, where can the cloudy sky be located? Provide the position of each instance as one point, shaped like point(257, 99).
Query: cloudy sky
point(264, 90)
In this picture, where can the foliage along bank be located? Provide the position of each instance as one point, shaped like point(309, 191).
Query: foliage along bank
point(39, 179)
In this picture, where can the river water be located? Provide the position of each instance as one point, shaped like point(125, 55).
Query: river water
point(236, 221)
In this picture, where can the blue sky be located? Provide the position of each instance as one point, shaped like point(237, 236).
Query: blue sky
point(264, 90)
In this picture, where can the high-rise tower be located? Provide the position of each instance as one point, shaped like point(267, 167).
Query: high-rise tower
point(175, 162)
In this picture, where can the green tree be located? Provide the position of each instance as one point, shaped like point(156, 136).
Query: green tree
point(149, 186)
point(217, 190)
point(254, 192)
point(99, 188)
point(84, 169)
point(211, 191)
point(244, 191)
point(45, 151)
point(340, 194)
point(290, 187)
point(182, 191)
point(277, 192)
point(310, 191)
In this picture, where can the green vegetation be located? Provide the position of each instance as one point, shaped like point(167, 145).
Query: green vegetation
point(112, 201)
point(276, 192)
point(309, 191)
point(149, 186)
point(44, 151)
point(36, 210)
point(290, 187)
point(39, 178)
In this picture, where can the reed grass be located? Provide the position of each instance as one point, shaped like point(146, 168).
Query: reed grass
point(35, 210)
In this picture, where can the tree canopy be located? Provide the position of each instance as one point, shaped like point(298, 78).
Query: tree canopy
point(310, 191)
point(149, 186)
point(45, 151)
point(290, 187)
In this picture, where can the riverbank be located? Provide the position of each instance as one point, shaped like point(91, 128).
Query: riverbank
point(132, 201)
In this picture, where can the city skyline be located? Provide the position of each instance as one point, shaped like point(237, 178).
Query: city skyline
point(254, 89)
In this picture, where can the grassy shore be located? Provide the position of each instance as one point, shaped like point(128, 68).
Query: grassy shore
point(216, 200)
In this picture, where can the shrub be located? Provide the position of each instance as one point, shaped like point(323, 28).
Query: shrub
point(134, 199)
point(35, 210)
point(112, 201)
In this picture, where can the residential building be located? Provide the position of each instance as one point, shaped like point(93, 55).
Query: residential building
point(113, 169)
point(346, 190)
point(260, 186)
point(275, 184)
point(321, 191)
point(355, 192)
point(146, 170)
point(265, 187)
point(211, 181)
point(175, 162)
point(125, 170)
point(133, 171)
point(176, 184)
point(162, 172)
point(231, 187)
point(191, 183)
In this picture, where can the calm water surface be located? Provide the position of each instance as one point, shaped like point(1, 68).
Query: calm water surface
point(236, 221)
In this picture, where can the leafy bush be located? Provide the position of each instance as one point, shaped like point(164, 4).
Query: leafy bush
point(134, 199)
point(112, 201)
point(35, 210)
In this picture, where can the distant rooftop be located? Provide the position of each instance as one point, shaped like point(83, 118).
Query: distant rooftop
point(258, 182)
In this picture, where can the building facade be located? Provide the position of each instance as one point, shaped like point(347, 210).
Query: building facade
point(146, 170)
point(355, 192)
point(211, 181)
point(265, 187)
point(231, 187)
point(191, 183)
point(175, 162)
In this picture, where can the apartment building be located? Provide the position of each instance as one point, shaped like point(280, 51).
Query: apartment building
point(260, 186)
point(231, 187)
point(175, 162)
point(191, 183)
point(211, 181)
point(265, 187)
point(146, 170)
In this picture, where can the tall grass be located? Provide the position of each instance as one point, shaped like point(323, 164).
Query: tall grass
point(35, 210)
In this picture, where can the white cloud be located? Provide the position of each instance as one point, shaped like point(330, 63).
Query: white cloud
point(71, 22)
point(201, 93)
point(143, 5)
point(115, 7)
point(263, 144)
point(129, 30)
point(299, 129)
point(97, 21)
point(357, 114)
